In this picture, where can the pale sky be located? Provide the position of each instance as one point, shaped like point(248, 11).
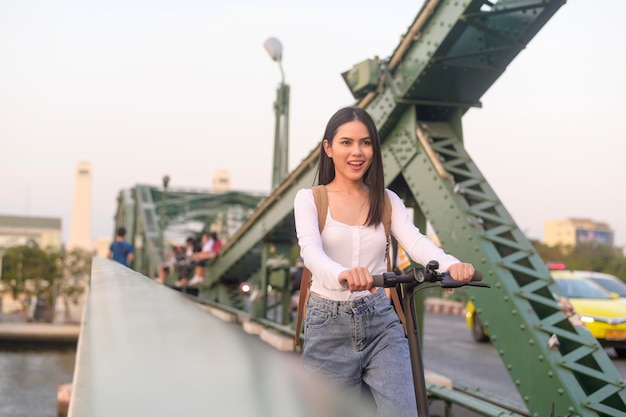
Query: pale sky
point(141, 89)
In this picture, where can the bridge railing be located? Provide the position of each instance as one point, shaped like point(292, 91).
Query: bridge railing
point(146, 350)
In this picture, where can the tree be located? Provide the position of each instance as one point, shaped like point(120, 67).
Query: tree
point(588, 257)
point(77, 267)
point(29, 271)
point(77, 263)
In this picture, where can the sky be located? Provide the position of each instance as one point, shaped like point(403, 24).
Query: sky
point(143, 89)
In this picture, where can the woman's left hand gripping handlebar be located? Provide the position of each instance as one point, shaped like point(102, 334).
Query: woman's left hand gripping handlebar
point(461, 271)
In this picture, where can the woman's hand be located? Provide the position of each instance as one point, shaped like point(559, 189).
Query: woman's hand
point(357, 279)
point(461, 272)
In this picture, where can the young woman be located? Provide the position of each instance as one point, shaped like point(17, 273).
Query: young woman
point(352, 333)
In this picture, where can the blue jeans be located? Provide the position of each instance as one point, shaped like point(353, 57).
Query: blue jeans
point(362, 340)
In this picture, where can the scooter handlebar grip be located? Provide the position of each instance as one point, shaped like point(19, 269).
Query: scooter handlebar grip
point(478, 275)
point(379, 280)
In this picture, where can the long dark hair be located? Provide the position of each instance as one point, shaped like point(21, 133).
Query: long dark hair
point(374, 178)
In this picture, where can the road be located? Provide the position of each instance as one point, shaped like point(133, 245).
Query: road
point(449, 350)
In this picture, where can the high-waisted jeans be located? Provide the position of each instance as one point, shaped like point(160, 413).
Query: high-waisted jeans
point(361, 340)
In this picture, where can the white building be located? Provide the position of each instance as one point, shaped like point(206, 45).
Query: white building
point(18, 230)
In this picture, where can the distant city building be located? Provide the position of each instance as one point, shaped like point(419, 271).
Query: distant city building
point(102, 246)
point(221, 181)
point(572, 232)
point(80, 228)
point(18, 230)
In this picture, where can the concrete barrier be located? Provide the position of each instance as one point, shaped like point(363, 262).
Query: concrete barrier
point(145, 350)
point(441, 306)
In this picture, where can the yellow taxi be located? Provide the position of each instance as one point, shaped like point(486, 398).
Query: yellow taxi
point(610, 283)
point(599, 310)
point(479, 334)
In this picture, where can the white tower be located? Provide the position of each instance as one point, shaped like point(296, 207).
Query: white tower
point(80, 227)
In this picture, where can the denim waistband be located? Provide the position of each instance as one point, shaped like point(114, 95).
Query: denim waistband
point(360, 304)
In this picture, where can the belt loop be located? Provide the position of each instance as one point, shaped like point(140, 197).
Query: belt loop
point(374, 300)
point(370, 301)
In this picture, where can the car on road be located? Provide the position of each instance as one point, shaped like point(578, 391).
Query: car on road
point(601, 311)
point(610, 283)
point(479, 334)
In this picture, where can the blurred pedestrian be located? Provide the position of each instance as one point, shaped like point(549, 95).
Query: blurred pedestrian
point(120, 250)
point(211, 244)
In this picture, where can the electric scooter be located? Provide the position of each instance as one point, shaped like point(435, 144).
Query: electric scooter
point(409, 284)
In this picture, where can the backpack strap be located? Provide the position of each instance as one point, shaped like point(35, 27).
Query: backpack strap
point(392, 292)
point(120, 244)
point(320, 197)
point(304, 292)
point(387, 226)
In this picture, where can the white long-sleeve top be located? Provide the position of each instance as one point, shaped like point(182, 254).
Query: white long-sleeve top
point(341, 247)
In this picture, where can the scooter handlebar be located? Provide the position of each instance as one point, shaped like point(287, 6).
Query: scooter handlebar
point(419, 276)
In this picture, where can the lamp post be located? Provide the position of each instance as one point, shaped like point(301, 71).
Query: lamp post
point(1, 259)
point(281, 109)
point(166, 181)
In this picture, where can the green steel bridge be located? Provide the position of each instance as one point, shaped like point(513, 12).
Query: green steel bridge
point(452, 52)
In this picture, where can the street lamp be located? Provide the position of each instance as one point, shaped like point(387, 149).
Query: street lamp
point(166, 181)
point(281, 108)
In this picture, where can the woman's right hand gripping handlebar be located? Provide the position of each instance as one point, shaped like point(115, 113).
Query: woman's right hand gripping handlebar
point(357, 279)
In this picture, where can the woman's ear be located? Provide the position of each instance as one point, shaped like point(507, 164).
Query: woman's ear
point(327, 149)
